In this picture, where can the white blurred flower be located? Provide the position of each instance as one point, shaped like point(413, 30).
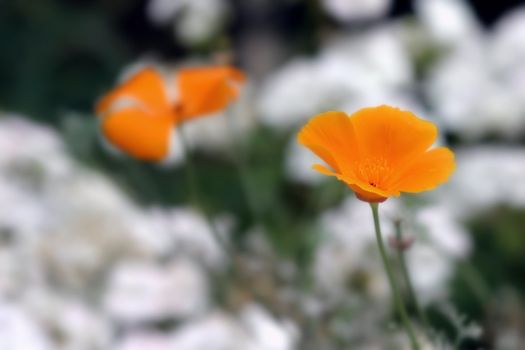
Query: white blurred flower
point(478, 88)
point(194, 21)
point(163, 11)
point(471, 98)
point(216, 331)
point(140, 340)
point(137, 293)
point(26, 215)
point(19, 331)
point(282, 101)
point(40, 158)
point(185, 232)
point(299, 162)
point(16, 247)
point(26, 173)
point(201, 20)
point(429, 271)
point(91, 224)
point(439, 227)
point(351, 10)
point(441, 240)
point(72, 323)
point(507, 38)
point(449, 22)
point(485, 177)
point(267, 332)
point(82, 328)
point(140, 292)
point(349, 72)
point(508, 55)
point(254, 329)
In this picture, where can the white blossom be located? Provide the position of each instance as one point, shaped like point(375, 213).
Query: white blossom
point(142, 340)
point(140, 292)
point(19, 331)
point(352, 71)
point(71, 322)
point(268, 333)
point(449, 22)
point(253, 329)
point(186, 232)
point(299, 162)
point(485, 177)
point(351, 10)
point(477, 88)
point(194, 21)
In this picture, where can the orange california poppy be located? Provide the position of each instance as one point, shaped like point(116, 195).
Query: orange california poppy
point(139, 116)
point(204, 91)
point(378, 152)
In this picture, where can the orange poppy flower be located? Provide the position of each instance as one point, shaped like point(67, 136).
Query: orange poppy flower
point(139, 116)
point(206, 91)
point(378, 152)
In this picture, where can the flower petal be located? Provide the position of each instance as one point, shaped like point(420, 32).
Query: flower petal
point(363, 189)
point(207, 90)
point(390, 137)
point(139, 134)
point(428, 171)
point(147, 88)
point(331, 136)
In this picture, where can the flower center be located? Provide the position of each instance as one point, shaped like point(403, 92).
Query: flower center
point(374, 170)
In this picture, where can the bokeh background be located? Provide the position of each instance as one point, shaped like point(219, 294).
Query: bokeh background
point(100, 251)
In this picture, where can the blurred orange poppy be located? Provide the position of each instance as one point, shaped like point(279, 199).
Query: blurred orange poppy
point(378, 152)
point(139, 116)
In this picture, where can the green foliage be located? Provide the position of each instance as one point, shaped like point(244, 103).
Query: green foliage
point(53, 57)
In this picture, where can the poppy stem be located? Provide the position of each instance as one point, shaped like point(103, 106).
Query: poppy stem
point(406, 275)
point(195, 198)
point(239, 160)
point(393, 283)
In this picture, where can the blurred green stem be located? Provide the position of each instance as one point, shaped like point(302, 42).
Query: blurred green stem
point(406, 275)
point(195, 197)
point(239, 160)
point(391, 279)
point(475, 280)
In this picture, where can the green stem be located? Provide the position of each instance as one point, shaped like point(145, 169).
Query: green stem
point(406, 275)
point(195, 197)
point(475, 281)
point(241, 168)
point(393, 283)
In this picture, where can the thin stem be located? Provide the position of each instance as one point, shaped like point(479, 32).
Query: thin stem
point(406, 275)
point(195, 197)
point(393, 283)
point(475, 280)
point(239, 160)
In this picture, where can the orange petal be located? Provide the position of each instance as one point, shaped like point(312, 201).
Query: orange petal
point(139, 134)
point(390, 138)
point(363, 190)
point(331, 136)
point(366, 196)
point(428, 171)
point(147, 87)
point(207, 90)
